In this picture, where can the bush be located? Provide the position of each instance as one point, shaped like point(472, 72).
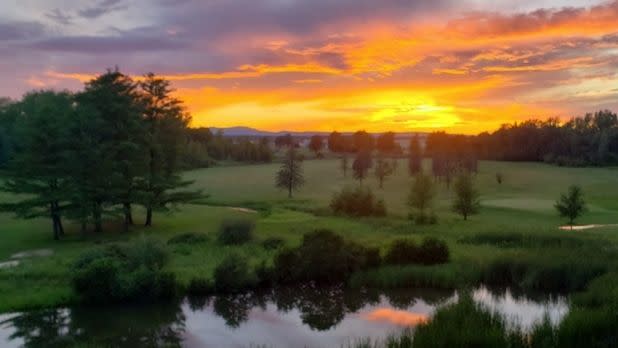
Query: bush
point(121, 273)
point(401, 252)
point(273, 243)
point(357, 202)
point(199, 286)
point(404, 251)
point(233, 275)
point(323, 257)
point(236, 232)
point(188, 238)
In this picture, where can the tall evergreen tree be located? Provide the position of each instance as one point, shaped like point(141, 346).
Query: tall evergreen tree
point(39, 169)
point(344, 164)
point(290, 175)
point(166, 124)
point(113, 97)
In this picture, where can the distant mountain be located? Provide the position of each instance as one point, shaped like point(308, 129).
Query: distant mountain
point(242, 131)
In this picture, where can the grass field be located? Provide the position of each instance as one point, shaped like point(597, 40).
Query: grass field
point(522, 204)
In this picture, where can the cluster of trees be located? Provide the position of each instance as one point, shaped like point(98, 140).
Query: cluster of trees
point(582, 141)
point(361, 141)
point(204, 147)
point(95, 153)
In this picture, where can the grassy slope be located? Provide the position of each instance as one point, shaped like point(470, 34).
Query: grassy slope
point(523, 203)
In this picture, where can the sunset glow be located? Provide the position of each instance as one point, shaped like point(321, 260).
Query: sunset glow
point(460, 66)
point(396, 317)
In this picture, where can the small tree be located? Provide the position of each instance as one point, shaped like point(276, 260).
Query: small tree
point(415, 156)
point(344, 165)
point(316, 144)
point(499, 177)
point(421, 196)
point(466, 196)
point(571, 205)
point(383, 169)
point(290, 175)
point(361, 165)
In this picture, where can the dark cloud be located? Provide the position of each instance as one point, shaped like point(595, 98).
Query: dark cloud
point(59, 17)
point(103, 7)
point(20, 30)
point(109, 44)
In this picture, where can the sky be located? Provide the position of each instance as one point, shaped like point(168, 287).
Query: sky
point(462, 66)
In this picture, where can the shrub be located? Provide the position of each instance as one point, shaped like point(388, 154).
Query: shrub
point(236, 232)
point(404, 251)
point(401, 252)
point(199, 286)
point(120, 273)
point(433, 251)
point(357, 202)
point(273, 243)
point(323, 257)
point(188, 238)
point(233, 274)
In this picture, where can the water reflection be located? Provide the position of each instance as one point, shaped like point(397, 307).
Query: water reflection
point(306, 316)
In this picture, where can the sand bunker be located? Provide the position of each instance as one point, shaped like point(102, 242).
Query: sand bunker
point(583, 227)
point(244, 210)
point(33, 253)
point(9, 264)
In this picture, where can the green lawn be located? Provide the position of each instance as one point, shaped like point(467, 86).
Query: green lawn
point(523, 203)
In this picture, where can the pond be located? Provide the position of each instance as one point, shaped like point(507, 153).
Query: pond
point(288, 317)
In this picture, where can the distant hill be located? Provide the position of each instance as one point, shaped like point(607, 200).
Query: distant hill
point(242, 131)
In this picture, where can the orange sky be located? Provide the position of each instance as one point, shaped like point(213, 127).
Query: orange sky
point(437, 66)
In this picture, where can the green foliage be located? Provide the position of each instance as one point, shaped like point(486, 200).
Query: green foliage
point(421, 197)
point(199, 286)
point(233, 275)
point(405, 251)
point(464, 324)
point(273, 243)
point(290, 175)
point(120, 273)
point(466, 200)
point(323, 257)
point(572, 204)
point(357, 201)
point(188, 238)
point(236, 231)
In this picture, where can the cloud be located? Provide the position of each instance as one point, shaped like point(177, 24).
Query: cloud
point(13, 31)
point(59, 17)
point(102, 8)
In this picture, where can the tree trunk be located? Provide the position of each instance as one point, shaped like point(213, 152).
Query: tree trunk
point(148, 222)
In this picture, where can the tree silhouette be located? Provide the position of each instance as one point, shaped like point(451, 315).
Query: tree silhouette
point(362, 164)
point(290, 175)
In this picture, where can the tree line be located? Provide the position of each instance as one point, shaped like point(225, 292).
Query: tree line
point(589, 140)
point(96, 153)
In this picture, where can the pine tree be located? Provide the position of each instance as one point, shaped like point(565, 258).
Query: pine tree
point(113, 97)
point(344, 165)
point(166, 125)
point(39, 169)
point(290, 175)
